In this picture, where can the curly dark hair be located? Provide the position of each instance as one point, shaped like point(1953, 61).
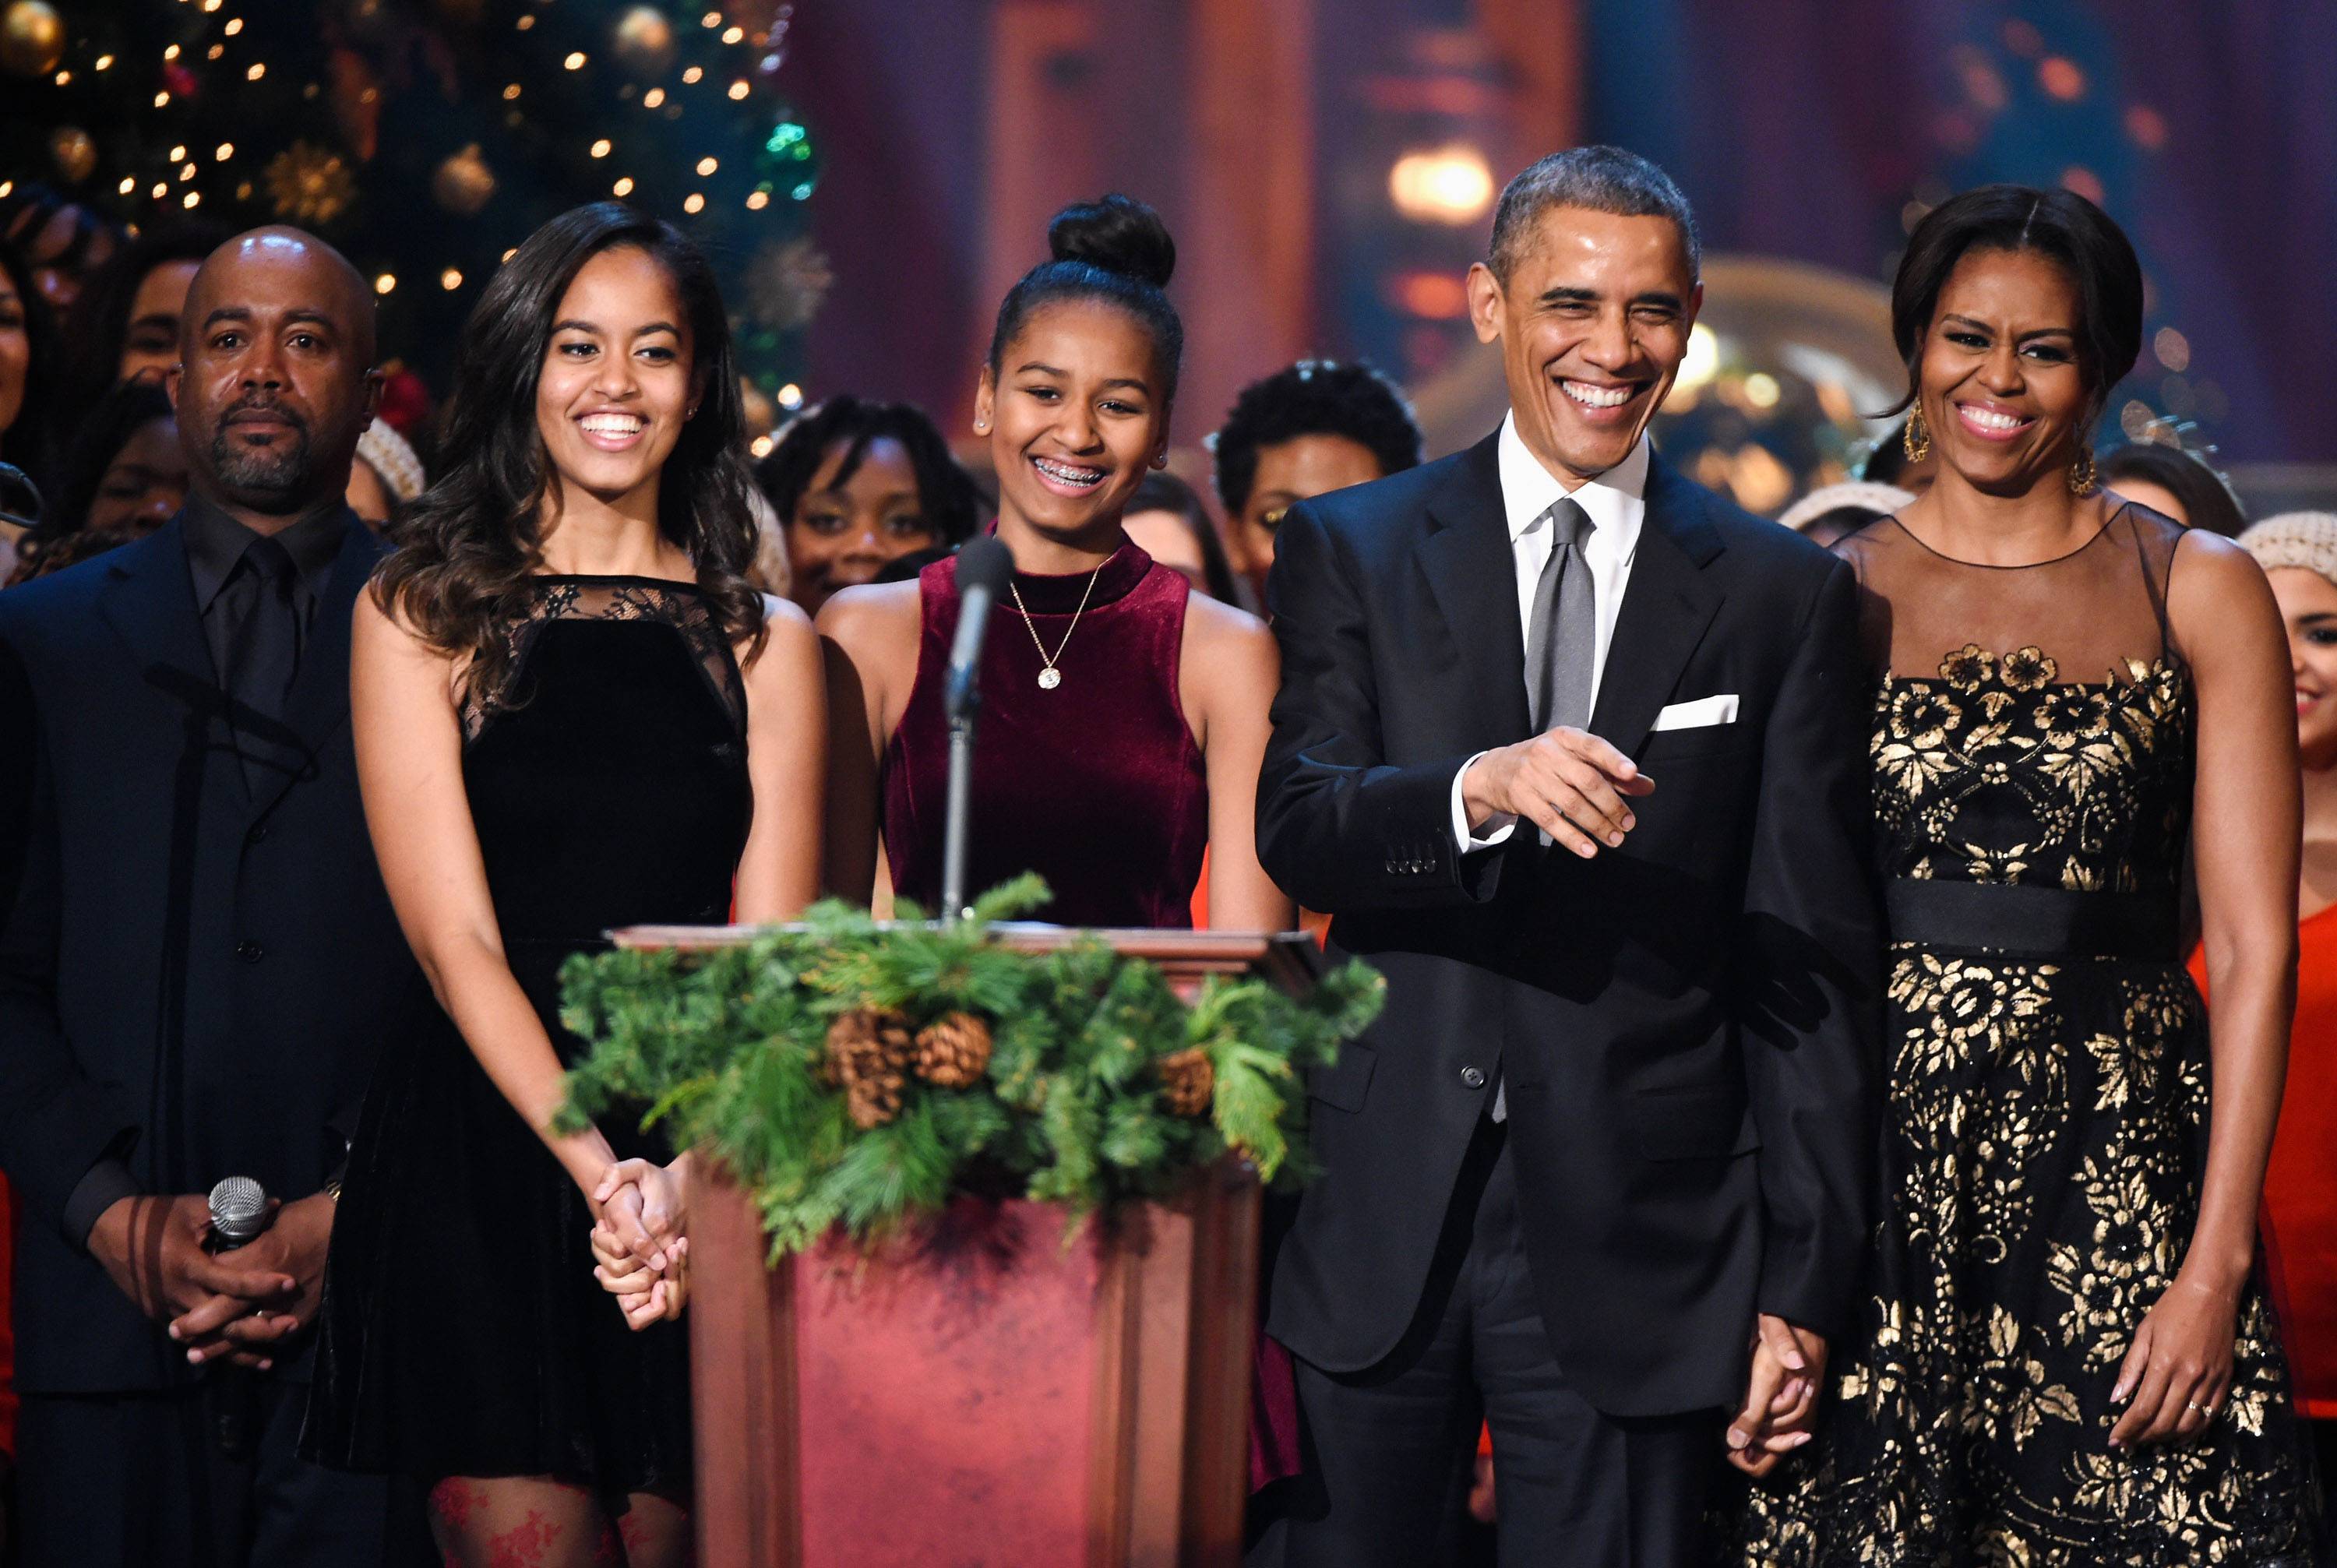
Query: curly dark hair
point(30, 443)
point(944, 494)
point(1312, 397)
point(469, 545)
point(1115, 250)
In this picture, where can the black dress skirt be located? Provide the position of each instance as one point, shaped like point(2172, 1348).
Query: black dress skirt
point(462, 1332)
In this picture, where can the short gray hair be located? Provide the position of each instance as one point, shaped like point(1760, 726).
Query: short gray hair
point(1598, 180)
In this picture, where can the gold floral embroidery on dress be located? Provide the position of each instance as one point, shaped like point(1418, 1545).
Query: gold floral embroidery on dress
point(2046, 1131)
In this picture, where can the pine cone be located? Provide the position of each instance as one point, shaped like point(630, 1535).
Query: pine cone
point(953, 1052)
point(868, 1043)
point(873, 1102)
point(1187, 1081)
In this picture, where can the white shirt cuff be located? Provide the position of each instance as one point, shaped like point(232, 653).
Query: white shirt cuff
point(1497, 827)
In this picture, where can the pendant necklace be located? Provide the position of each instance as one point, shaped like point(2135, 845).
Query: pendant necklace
point(1051, 677)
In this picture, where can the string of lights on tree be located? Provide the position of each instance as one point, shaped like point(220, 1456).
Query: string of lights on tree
point(426, 138)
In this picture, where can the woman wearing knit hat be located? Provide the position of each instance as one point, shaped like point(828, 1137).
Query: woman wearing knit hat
point(385, 477)
point(2298, 550)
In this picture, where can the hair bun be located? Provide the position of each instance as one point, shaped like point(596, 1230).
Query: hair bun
point(1118, 234)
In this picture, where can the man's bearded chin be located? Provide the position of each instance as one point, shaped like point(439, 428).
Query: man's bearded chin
point(275, 473)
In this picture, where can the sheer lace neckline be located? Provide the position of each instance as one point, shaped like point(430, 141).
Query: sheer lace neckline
point(553, 598)
point(2095, 537)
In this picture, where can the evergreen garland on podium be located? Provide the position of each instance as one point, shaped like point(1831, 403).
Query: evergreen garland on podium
point(858, 1074)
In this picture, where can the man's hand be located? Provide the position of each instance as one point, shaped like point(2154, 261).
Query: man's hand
point(247, 1329)
point(153, 1249)
point(1567, 782)
point(1781, 1397)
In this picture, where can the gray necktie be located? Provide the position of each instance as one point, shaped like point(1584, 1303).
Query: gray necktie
point(1560, 648)
point(1560, 641)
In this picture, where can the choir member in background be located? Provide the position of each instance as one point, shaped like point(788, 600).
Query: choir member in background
point(1305, 430)
point(571, 713)
point(126, 326)
point(2298, 550)
point(1170, 522)
point(31, 367)
point(859, 485)
point(127, 476)
point(2175, 484)
point(386, 479)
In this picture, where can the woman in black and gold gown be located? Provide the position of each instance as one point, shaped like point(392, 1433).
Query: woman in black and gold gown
point(571, 713)
point(2064, 1358)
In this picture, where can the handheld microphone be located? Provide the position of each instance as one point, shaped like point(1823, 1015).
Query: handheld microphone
point(982, 568)
point(238, 1212)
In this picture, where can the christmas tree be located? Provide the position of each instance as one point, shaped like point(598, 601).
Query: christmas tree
point(426, 138)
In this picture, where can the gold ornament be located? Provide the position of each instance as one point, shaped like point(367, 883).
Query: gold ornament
point(76, 153)
point(32, 38)
point(785, 283)
point(1917, 436)
point(309, 185)
point(464, 183)
point(643, 41)
point(2081, 472)
point(953, 1052)
point(1188, 1081)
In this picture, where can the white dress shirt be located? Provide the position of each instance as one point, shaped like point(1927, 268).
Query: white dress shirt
point(1616, 504)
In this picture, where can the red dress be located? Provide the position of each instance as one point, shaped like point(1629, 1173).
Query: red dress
point(2298, 1218)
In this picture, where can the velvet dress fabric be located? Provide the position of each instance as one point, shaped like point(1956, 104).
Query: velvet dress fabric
point(1097, 785)
point(462, 1331)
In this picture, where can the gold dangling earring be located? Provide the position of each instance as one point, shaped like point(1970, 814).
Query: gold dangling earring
point(2081, 472)
point(1916, 439)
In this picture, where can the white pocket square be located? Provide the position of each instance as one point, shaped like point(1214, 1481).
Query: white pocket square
point(1696, 715)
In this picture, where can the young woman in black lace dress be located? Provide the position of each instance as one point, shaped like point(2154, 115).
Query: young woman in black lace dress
point(571, 713)
point(2064, 1358)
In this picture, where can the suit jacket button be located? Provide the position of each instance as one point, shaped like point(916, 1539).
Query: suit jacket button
point(1473, 1077)
point(250, 952)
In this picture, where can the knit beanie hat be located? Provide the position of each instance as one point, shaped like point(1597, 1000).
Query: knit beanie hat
point(1887, 500)
point(2305, 539)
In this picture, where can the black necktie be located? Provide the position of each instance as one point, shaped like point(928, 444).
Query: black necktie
point(263, 647)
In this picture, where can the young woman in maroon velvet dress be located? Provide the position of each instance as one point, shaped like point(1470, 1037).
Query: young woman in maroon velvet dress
point(1123, 717)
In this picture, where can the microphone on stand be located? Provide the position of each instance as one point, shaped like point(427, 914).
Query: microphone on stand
point(982, 570)
point(20, 498)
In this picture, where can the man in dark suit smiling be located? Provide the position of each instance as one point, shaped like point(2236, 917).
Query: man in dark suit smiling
point(1573, 751)
point(198, 960)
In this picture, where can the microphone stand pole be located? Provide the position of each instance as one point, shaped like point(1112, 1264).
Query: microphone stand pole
point(962, 709)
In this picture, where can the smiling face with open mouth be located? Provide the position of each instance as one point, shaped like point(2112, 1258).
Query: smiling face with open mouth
point(1593, 322)
point(2003, 392)
point(1075, 417)
point(617, 381)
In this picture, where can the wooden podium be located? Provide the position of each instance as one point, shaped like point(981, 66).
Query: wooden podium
point(986, 1394)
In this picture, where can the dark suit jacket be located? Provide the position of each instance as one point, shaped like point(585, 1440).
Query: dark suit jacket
point(193, 977)
point(1687, 1026)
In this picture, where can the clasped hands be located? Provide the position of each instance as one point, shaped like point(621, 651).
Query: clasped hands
point(239, 1306)
point(1569, 783)
point(640, 1251)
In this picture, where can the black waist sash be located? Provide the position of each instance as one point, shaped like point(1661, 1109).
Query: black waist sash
point(2047, 921)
